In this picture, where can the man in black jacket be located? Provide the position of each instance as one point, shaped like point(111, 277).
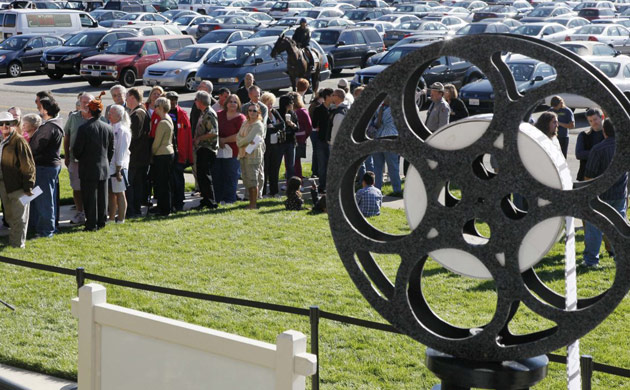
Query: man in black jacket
point(302, 39)
point(94, 148)
point(140, 149)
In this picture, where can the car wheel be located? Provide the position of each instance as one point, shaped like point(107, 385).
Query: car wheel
point(55, 75)
point(14, 69)
point(95, 83)
point(191, 84)
point(128, 78)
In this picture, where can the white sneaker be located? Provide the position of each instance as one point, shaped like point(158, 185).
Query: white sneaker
point(117, 222)
point(78, 218)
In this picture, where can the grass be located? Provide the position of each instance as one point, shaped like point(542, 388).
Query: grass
point(275, 256)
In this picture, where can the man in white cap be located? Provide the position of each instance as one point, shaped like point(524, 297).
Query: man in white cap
point(439, 110)
point(349, 99)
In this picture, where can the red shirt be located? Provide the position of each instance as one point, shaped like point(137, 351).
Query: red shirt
point(230, 127)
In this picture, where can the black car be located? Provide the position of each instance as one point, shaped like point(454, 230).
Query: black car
point(67, 59)
point(22, 52)
point(348, 47)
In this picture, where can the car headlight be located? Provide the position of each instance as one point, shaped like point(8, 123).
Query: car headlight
point(2, 58)
point(176, 71)
point(111, 67)
point(73, 56)
point(228, 80)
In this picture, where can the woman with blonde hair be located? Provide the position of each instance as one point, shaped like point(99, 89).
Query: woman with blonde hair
point(162, 152)
point(458, 107)
point(251, 144)
point(118, 166)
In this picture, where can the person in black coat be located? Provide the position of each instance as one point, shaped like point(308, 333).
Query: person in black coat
point(458, 107)
point(94, 148)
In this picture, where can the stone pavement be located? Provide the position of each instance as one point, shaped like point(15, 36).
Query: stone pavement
point(12, 378)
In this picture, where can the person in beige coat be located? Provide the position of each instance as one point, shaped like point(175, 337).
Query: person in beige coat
point(163, 152)
point(252, 135)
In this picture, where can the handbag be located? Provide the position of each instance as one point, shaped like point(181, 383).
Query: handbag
point(300, 151)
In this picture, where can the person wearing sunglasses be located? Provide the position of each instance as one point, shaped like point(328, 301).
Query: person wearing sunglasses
point(17, 168)
point(252, 132)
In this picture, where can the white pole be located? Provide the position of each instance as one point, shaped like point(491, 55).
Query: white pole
point(573, 350)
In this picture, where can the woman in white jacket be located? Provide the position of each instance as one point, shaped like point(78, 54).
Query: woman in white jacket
point(118, 182)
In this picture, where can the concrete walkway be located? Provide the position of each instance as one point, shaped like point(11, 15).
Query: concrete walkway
point(12, 378)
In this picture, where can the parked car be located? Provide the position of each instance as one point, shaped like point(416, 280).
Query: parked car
point(588, 48)
point(360, 15)
point(425, 29)
point(596, 13)
point(280, 9)
point(105, 15)
point(348, 47)
point(128, 6)
point(373, 60)
point(173, 14)
point(164, 5)
point(614, 34)
point(194, 5)
point(227, 35)
point(453, 23)
point(528, 73)
point(84, 5)
point(274, 31)
point(511, 23)
point(569, 21)
point(140, 19)
point(418, 10)
point(237, 21)
point(66, 59)
point(396, 19)
point(541, 13)
point(379, 26)
point(495, 11)
point(165, 29)
point(550, 32)
point(261, 17)
point(333, 22)
point(483, 28)
point(595, 4)
point(22, 52)
point(180, 70)
point(228, 66)
point(50, 21)
point(126, 59)
point(23, 4)
point(259, 6)
point(188, 24)
point(617, 69)
point(290, 21)
point(316, 13)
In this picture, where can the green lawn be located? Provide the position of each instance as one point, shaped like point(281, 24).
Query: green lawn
point(270, 255)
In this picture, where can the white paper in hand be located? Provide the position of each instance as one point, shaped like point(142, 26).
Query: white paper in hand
point(225, 152)
point(251, 147)
point(25, 199)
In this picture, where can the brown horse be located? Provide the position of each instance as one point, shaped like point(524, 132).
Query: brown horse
point(297, 63)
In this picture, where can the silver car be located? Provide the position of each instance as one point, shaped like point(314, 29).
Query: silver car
point(180, 69)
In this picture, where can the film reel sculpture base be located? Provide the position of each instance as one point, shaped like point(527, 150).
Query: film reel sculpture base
point(462, 374)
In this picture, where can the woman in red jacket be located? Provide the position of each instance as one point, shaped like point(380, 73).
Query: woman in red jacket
point(183, 145)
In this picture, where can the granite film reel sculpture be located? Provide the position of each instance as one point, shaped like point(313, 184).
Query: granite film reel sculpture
point(440, 225)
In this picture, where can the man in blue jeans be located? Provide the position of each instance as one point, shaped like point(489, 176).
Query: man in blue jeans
point(599, 159)
point(384, 123)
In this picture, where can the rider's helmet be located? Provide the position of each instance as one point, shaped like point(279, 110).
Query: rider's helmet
point(303, 20)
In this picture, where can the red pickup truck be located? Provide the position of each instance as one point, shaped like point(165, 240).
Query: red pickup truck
point(126, 59)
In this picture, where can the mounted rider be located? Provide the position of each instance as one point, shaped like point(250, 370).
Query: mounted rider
point(302, 39)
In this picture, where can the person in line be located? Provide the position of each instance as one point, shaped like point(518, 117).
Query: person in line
point(224, 93)
point(251, 134)
point(162, 152)
point(119, 165)
point(243, 90)
point(45, 145)
point(348, 97)
point(302, 86)
point(16, 113)
point(226, 168)
point(383, 121)
point(41, 95)
point(294, 199)
point(156, 93)
point(140, 152)
point(457, 106)
point(274, 132)
point(566, 121)
point(369, 198)
point(254, 99)
point(321, 126)
point(316, 101)
point(94, 148)
point(30, 123)
point(600, 157)
point(195, 114)
point(438, 114)
point(118, 93)
point(305, 128)
point(337, 114)
point(75, 120)
point(589, 138)
point(17, 178)
point(548, 123)
point(206, 142)
point(183, 148)
point(286, 148)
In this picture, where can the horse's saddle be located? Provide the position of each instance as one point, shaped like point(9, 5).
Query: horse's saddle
point(313, 54)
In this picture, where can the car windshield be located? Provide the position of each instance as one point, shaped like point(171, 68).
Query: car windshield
point(588, 29)
point(610, 69)
point(528, 30)
point(232, 55)
point(130, 17)
point(216, 36)
point(184, 20)
point(84, 39)
point(125, 47)
point(354, 15)
point(520, 71)
point(325, 37)
point(189, 54)
point(393, 56)
point(540, 12)
point(14, 43)
point(472, 28)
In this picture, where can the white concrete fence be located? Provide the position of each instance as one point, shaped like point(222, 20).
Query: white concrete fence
point(124, 349)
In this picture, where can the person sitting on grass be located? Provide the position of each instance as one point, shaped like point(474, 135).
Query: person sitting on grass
point(369, 198)
point(294, 199)
point(319, 202)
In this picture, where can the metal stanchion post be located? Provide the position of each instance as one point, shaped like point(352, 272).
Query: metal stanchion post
point(314, 317)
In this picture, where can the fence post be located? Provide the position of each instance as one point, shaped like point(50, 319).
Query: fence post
point(80, 277)
point(586, 366)
point(314, 317)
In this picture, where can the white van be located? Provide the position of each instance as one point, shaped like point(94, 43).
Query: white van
point(49, 21)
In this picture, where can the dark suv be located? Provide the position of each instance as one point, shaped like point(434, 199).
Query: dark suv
point(67, 59)
point(348, 47)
